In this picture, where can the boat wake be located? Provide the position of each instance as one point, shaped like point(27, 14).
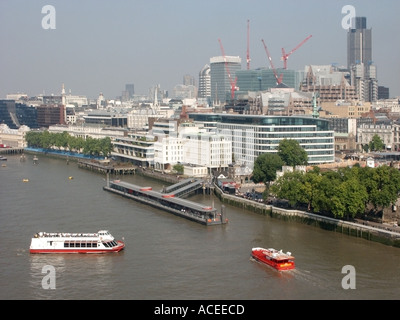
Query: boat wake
point(297, 274)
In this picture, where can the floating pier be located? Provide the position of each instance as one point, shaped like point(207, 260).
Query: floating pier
point(11, 150)
point(170, 201)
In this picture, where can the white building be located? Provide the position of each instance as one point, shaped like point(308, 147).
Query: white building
point(252, 135)
point(168, 151)
point(191, 145)
point(182, 91)
point(87, 131)
point(366, 132)
point(138, 119)
point(211, 150)
point(137, 148)
point(13, 137)
point(17, 96)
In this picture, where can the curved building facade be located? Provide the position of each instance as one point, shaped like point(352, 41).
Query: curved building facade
point(253, 135)
point(205, 83)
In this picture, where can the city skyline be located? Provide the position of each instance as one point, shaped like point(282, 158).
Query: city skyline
point(100, 46)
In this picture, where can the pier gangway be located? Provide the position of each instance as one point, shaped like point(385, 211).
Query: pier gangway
point(184, 187)
point(170, 202)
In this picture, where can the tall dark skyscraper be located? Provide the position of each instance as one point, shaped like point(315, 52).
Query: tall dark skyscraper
point(128, 93)
point(359, 43)
point(130, 88)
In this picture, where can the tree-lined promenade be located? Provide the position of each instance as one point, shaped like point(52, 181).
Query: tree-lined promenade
point(345, 193)
point(88, 146)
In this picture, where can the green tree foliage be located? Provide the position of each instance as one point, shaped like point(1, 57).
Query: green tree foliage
point(292, 153)
point(349, 199)
point(90, 146)
point(345, 193)
point(376, 144)
point(290, 186)
point(178, 168)
point(382, 184)
point(311, 188)
point(265, 168)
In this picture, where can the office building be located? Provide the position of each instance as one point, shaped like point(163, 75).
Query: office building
point(359, 43)
point(223, 75)
point(383, 93)
point(106, 119)
point(359, 60)
point(205, 84)
point(50, 114)
point(330, 83)
point(364, 79)
point(128, 93)
point(263, 79)
point(188, 80)
point(253, 135)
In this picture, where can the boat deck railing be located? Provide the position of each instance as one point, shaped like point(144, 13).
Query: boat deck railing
point(65, 235)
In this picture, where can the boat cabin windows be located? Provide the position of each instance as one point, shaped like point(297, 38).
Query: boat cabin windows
point(110, 244)
point(80, 244)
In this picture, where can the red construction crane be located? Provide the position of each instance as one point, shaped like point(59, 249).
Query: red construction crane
point(278, 79)
point(233, 82)
point(248, 45)
point(285, 56)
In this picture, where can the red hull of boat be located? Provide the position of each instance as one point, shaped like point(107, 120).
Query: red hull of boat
point(278, 265)
point(118, 248)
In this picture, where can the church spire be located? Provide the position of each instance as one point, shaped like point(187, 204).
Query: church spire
point(63, 95)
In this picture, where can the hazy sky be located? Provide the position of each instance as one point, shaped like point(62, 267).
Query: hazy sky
point(99, 46)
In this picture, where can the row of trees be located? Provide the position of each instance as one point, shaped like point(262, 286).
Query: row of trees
point(290, 153)
point(346, 192)
point(88, 146)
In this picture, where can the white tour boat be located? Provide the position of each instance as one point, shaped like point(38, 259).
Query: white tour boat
point(100, 242)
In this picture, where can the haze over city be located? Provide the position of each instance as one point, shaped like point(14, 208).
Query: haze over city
point(99, 46)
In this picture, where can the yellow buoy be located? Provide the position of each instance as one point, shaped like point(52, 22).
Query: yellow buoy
point(25, 180)
point(70, 178)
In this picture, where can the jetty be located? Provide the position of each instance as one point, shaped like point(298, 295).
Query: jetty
point(11, 150)
point(169, 200)
point(105, 168)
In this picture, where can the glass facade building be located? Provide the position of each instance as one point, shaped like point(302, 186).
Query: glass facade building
point(14, 115)
point(264, 79)
point(359, 43)
point(220, 79)
point(253, 135)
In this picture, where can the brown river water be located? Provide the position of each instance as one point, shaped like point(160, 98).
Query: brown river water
point(168, 257)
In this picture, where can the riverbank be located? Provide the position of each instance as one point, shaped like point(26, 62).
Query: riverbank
point(371, 232)
point(367, 230)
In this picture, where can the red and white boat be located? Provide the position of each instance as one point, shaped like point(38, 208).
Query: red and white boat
point(100, 242)
point(274, 258)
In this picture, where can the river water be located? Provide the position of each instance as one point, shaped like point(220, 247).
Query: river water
point(168, 257)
